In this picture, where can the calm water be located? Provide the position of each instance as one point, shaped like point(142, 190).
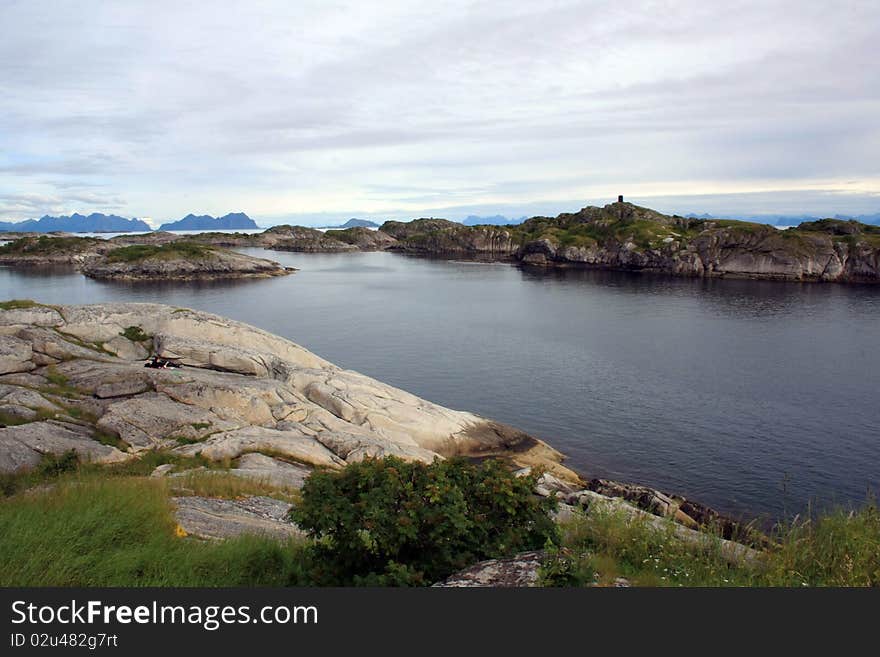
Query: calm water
point(750, 396)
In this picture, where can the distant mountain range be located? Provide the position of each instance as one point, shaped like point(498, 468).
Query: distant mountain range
point(111, 223)
point(233, 220)
point(77, 223)
point(356, 223)
point(497, 220)
point(787, 219)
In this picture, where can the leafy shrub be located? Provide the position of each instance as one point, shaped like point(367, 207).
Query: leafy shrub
point(387, 522)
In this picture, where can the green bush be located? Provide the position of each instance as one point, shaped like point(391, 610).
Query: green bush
point(389, 522)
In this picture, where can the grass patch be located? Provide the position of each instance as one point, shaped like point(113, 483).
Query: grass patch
point(183, 250)
point(140, 466)
point(18, 304)
point(41, 414)
point(9, 420)
point(49, 469)
point(135, 334)
point(111, 440)
point(608, 543)
point(347, 235)
point(46, 246)
point(93, 531)
point(224, 484)
point(839, 548)
point(187, 440)
point(148, 461)
point(59, 384)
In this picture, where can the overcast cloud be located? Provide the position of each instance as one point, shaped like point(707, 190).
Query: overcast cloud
point(335, 109)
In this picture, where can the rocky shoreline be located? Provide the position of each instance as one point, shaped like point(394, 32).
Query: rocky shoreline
point(259, 407)
point(618, 236)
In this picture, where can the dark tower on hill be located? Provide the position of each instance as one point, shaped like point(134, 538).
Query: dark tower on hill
point(620, 199)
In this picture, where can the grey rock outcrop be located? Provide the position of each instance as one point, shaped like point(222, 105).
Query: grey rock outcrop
point(22, 446)
point(521, 570)
point(214, 519)
point(272, 471)
point(363, 238)
point(241, 391)
point(16, 355)
point(211, 263)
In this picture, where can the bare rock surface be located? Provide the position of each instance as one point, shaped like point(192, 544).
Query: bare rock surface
point(241, 391)
point(259, 467)
point(210, 518)
point(520, 570)
point(292, 444)
point(16, 355)
point(22, 446)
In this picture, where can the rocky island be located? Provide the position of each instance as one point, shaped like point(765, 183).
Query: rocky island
point(158, 256)
point(42, 250)
point(178, 260)
point(624, 236)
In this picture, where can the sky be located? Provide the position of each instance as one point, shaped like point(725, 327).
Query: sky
point(312, 111)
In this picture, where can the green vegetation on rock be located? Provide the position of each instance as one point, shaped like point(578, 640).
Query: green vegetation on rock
point(183, 250)
point(45, 245)
point(135, 334)
point(18, 304)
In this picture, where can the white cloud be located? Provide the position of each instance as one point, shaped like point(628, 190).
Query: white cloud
point(282, 108)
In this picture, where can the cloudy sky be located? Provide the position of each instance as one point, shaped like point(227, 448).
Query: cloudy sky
point(315, 110)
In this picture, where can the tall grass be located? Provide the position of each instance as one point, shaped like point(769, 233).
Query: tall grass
point(91, 531)
point(838, 548)
point(227, 485)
